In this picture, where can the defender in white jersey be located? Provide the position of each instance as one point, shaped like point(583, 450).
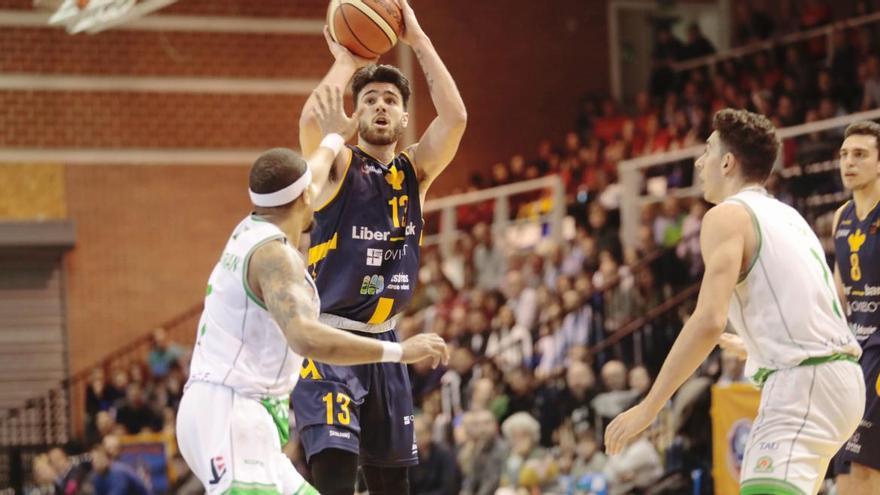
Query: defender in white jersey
point(766, 273)
point(259, 321)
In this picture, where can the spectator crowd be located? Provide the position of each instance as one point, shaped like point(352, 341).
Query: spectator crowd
point(545, 351)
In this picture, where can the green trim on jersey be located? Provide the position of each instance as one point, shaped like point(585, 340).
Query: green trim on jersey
point(769, 486)
point(242, 488)
point(279, 409)
point(258, 218)
point(244, 270)
point(760, 377)
point(757, 252)
point(306, 489)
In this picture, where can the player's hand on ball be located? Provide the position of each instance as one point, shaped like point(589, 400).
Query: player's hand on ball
point(330, 112)
point(733, 344)
point(411, 27)
point(626, 426)
point(342, 54)
point(423, 346)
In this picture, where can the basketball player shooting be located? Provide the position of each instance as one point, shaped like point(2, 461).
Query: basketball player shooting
point(766, 273)
point(365, 257)
point(260, 318)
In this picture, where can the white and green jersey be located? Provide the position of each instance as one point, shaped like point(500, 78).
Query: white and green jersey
point(785, 306)
point(239, 344)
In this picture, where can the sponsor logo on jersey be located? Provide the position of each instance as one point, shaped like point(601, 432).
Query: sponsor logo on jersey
point(375, 257)
point(340, 434)
point(842, 233)
point(395, 178)
point(372, 285)
point(855, 240)
point(365, 234)
point(399, 281)
point(863, 306)
point(853, 445)
point(872, 290)
point(371, 169)
point(218, 469)
point(862, 332)
point(408, 420)
point(764, 465)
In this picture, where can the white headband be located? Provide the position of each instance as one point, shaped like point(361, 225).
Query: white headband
point(283, 196)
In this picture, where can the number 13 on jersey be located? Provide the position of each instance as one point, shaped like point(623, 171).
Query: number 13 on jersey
point(398, 209)
point(344, 415)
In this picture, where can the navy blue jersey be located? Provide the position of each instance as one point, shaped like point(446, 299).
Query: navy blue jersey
point(365, 241)
point(857, 249)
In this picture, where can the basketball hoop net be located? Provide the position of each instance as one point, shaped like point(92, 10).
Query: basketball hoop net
point(94, 16)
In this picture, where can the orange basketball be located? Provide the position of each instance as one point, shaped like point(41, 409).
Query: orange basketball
point(368, 28)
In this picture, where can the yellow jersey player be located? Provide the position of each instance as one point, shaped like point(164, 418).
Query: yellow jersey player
point(365, 257)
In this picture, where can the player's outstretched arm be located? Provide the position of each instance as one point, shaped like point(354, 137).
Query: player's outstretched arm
point(722, 240)
point(344, 66)
point(279, 275)
point(328, 112)
point(440, 141)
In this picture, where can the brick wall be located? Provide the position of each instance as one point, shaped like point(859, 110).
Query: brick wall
point(147, 236)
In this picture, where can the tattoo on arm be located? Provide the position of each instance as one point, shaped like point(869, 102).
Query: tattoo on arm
point(281, 276)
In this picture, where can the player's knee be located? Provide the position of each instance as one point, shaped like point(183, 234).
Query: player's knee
point(334, 471)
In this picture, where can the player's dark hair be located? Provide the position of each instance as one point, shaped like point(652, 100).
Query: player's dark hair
point(383, 74)
point(751, 138)
point(276, 169)
point(864, 128)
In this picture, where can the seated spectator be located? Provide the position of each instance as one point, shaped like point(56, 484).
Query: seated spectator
point(588, 458)
point(44, 476)
point(697, 45)
point(481, 454)
point(135, 414)
point(637, 467)
point(616, 398)
point(527, 465)
point(163, 353)
point(437, 472)
point(509, 345)
point(70, 475)
point(114, 478)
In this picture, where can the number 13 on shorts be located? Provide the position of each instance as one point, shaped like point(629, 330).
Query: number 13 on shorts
point(343, 416)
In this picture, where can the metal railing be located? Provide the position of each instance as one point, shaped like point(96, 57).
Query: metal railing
point(500, 196)
point(632, 172)
point(827, 31)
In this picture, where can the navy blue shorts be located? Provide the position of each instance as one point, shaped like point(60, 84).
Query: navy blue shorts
point(365, 409)
point(864, 446)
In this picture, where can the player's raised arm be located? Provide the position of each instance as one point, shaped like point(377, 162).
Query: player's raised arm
point(279, 276)
point(329, 116)
point(440, 141)
point(344, 66)
point(722, 240)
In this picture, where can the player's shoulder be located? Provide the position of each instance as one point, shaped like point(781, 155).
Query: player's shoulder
point(726, 219)
point(838, 214)
point(275, 257)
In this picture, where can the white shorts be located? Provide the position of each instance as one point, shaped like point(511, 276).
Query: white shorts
point(232, 445)
point(806, 415)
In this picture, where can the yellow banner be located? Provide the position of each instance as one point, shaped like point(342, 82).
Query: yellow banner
point(734, 407)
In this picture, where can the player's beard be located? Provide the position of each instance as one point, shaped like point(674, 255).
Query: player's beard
point(378, 138)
